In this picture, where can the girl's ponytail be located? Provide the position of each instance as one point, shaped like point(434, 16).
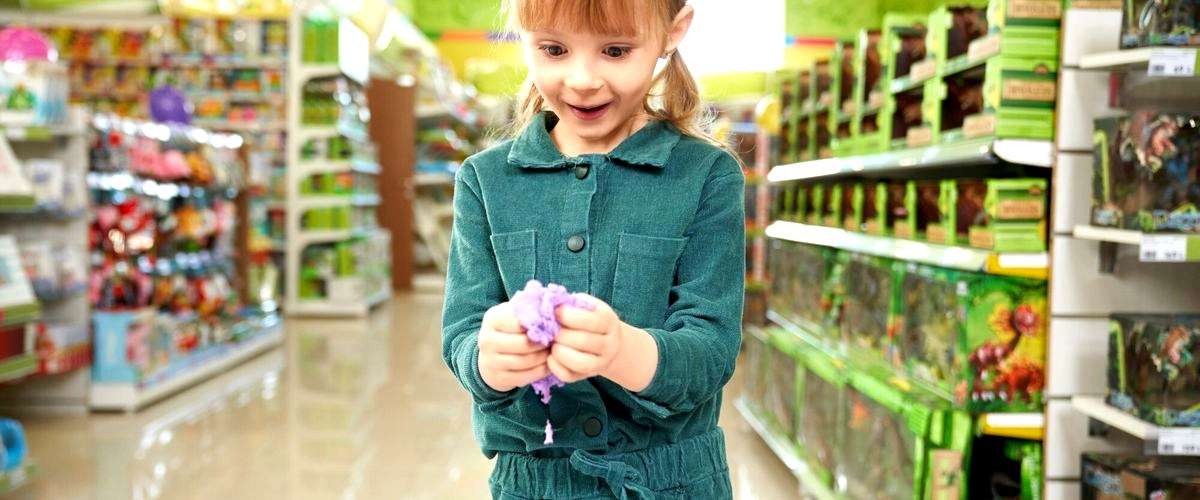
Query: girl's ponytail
point(678, 100)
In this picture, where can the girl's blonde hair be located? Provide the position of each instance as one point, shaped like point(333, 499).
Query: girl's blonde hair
point(674, 88)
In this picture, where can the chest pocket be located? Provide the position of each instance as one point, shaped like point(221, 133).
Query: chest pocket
point(516, 257)
point(643, 278)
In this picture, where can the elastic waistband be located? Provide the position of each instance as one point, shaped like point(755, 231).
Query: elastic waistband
point(586, 474)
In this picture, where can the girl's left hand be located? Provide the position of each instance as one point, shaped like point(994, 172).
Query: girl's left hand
point(588, 342)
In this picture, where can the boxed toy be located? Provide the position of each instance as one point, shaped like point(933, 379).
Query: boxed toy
point(822, 386)
point(931, 221)
point(782, 264)
point(875, 208)
point(816, 205)
point(1153, 369)
point(831, 213)
point(868, 91)
point(1121, 477)
point(901, 218)
point(34, 93)
point(753, 376)
point(788, 110)
point(842, 100)
point(1159, 22)
point(1002, 337)
point(868, 303)
point(925, 342)
point(781, 380)
point(1146, 172)
point(824, 122)
point(852, 206)
point(1004, 215)
point(907, 68)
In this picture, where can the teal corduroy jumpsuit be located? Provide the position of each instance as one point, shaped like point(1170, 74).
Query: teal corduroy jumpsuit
point(656, 228)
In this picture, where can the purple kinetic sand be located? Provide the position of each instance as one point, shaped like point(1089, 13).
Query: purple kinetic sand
point(535, 308)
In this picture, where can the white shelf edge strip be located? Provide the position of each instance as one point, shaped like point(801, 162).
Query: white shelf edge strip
point(1015, 420)
point(1108, 234)
point(1115, 58)
point(1097, 408)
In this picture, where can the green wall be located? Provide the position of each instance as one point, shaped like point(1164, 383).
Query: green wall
point(437, 16)
point(843, 18)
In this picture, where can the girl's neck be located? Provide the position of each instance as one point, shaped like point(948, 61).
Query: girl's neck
point(570, 143)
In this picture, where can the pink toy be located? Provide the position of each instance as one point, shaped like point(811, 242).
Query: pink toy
point(25, 44)
point(174, 165)
point(535, 308)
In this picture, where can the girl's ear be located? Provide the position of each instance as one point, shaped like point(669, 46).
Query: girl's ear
point(679, 28)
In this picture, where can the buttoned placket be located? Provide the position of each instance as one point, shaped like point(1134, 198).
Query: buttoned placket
point(574, 239)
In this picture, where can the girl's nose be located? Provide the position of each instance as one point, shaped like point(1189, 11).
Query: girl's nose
point(583, 78)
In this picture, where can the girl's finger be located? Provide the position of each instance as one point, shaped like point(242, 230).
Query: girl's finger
point(583, 341)
point(509, 343)
point(526, 377)
point(502, 319)
point(563, 373)
point(574, 360)
point(579, 319)
point(521, 362)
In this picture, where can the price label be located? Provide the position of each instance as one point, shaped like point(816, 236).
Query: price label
point(1172, 62)
point(1179, 441)
point(1163, 248)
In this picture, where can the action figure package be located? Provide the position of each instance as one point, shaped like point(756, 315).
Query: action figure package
point(925, 345)
point(852, 206)
point(906, 69)
point(816, 204)
point(868, 303)
point(781, 383)
point(1004, 215)
point(875, 218)
point(1119, 477)
point(1002, 342)
point(901, 218)
point(932, 222)
point(1146, 168)
point(1160, 22)
point(831, 213)
point(820, 421)
point(1154, 367)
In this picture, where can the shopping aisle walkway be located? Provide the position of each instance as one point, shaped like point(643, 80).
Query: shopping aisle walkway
point(349, 409)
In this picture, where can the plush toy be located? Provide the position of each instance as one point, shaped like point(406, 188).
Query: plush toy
point(535, 308)
point(174, 165)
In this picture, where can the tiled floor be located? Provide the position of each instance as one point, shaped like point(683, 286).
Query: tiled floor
point(348, 409)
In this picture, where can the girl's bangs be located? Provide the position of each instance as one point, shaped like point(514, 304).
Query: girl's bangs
point(630, 18)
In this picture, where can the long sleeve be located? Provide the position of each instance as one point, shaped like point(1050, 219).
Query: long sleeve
point(473, 285)
point(699, 342)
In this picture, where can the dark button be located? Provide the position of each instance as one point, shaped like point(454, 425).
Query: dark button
point(575, 243)
point(592, 427)
point(581, 172)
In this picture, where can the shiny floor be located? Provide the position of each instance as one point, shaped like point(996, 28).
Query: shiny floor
point(347, 409)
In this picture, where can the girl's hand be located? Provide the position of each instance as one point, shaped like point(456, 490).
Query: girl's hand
point(588, 342)
point(507, 358)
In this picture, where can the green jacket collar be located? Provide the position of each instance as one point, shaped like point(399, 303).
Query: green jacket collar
point(649, 146)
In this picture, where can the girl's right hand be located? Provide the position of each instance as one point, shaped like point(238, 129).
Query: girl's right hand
point(507, 358)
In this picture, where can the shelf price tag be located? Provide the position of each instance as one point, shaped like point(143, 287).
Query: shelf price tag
point(1172, 62)
point(1163, 248)
point(1179, 441)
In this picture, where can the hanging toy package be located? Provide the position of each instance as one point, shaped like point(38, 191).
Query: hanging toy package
point(535, 308)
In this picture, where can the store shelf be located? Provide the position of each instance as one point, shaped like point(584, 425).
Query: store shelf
point(308, 202)
point(19, 314)
point(18, 367)
point(130, 397)
point(433, 179)
point(786, 451)
point(241, 126)
point(1121, 60)
point(1157, 440)
point(966, 153)
point(313, 167)
point(1029, 265)
point(40, 133)
point(314, 71)
point(1184, 247)
point(11, 481)
point(67, 359)
point(1013, 425)
point(17, 203)
point(907, 83)
point(332, 235)
point(326, 308)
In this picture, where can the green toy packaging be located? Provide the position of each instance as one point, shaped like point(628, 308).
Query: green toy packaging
point(1154, 367)
point(823, 121)
point(1002, 331)
point(1113, 477)
point(852, 206)
point(831, 214)
point(802, 290)
point(822, 386)
point(1145, 168)
point(1004, 215)
point(842, 99)
point(816, 204)
point(932, 222)
point(925, 344)
point(754, 376)
point(868, 91)
point(902, 208)
point(875, 219)
point(867, 303)
point(781, 379)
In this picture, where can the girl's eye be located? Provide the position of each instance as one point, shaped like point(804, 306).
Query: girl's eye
point(616, 52)
point(554, 50)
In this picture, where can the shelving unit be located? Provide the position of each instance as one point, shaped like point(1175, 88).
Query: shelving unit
point(959, 154)
point(1031, 265)
point(1153, 247)
point(339, 295)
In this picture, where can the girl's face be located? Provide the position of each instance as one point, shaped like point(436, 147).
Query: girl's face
point(596, 83)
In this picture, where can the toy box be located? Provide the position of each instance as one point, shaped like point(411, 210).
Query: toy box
point(816, 204)
point(782, 264)
point(753, 375)
point(781, 379)
point(868, 90)
point(868, 303)
point(790, 202)
point(842, 99)
point(901, 219)
point(33, 94)
point(1004, 215)
point(1158, 22)
point(931, 221)
point(925, 344)
point(801, 283)
point(1154, 367)
point(824, 121)
point(1119, 477)
point(831, 213)
point(875, 219)
point(1005, 468)
point(789, 110)
point(1002, 338)
point(822, 385)
point(907, 68)
point(1145, 172)
point(852, 206)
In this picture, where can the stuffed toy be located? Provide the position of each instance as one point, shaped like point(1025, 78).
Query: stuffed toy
point(535, 308)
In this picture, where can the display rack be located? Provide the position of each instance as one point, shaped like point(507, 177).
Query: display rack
point(960, 154)
point(352, 238)
point(810, 485)
point(1177, 441)
point(1032, 265)
point(51, 230)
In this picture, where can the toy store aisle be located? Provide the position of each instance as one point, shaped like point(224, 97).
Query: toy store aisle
point(346, 409)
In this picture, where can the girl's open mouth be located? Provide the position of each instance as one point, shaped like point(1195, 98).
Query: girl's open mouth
point(589, 114)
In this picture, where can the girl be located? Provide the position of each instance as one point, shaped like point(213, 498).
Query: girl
point(611, 188)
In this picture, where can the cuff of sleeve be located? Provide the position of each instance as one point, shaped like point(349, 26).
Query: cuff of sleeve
point(666, 384)
point(487, 398)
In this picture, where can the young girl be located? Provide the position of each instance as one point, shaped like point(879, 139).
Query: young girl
point(611, 188)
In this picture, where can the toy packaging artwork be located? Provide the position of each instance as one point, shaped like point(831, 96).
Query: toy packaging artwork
point(852, 206)
point(901, 219)
point(822, 388)
point(867, 302)
point(1146, 167)
point(931, 222)
point(875, 208)
point(1160, 22)
point(874, 431)
point(925, 343)
point(1005, 215)
point(1002, 324)
point(1154, 367)
point(781, 386)
point(1118, 477)
point(801, 282)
